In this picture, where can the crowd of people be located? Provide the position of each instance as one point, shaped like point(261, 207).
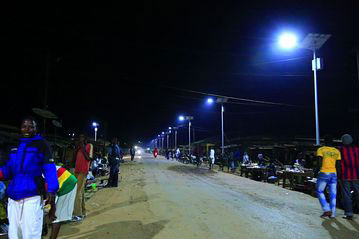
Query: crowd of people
point(37, 184)
point(38, 187)
point(336, 165)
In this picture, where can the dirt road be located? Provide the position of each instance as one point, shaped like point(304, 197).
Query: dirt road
point(165, 199)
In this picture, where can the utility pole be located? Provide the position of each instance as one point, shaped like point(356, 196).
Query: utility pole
point(194, 138)
point(168, 136)
point(175, 135)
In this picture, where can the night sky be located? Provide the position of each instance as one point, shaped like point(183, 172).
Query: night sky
point(130, 67)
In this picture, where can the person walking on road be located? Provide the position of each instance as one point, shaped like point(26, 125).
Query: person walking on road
point(83, 157)
point(27, 163)
point(329, 160)
point(114, 156)
point(349, 175)
point(155, 152)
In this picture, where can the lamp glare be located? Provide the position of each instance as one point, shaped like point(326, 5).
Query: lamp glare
point(287, 41)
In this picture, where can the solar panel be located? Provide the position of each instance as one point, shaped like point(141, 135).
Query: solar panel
point(314, 41)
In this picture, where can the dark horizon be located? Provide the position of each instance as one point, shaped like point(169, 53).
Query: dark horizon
point(130, 68)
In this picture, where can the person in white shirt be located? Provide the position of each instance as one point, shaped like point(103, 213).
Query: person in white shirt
point(211, 158)
point(246, 158)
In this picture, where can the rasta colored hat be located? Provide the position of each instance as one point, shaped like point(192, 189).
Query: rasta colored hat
point(347, 139)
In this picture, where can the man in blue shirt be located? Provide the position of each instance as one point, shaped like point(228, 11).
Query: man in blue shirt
point(27, 164)
point(114, 156)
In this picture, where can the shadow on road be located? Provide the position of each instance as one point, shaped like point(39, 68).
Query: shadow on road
point(125, 229)
point(339, 231)
point(191, 170)
point(113, 206)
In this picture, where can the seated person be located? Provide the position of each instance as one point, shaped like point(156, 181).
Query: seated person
point(261, 160)
point(246, 159)
point(272, 172)
point(300, 159)
point(272, 169)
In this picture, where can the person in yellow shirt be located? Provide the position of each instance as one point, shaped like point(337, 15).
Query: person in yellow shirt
point(329, 161)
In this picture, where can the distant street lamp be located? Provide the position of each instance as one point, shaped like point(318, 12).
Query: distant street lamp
point(189, 118)
point(313, 42)
point(175, 129)
point(163, 138)
point(158, 141)
point(95, 126)
point(221, 101)
point(167, 139)
point(168, 133)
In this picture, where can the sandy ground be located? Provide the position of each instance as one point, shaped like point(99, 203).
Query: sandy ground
point(165, 199)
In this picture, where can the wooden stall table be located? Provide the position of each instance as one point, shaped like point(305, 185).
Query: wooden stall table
point(244, 170)
point(258, 172)
point(297, 180)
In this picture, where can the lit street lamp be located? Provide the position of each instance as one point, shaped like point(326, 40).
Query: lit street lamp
point(158, 141)
point(313, 42)
point(167, 139)
point(95, 126)
point(162, 138)
point(221, 101)
point(168, 133)
point(189, 118)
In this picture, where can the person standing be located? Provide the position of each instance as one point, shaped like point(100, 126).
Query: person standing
point(114, 161)
point(211, 158)
point(132, 153)
point(178, 154)
point(65, 199)
point(83, 156)
point(349, 174)
point(328, 160)
point(27, 163)
point(155, 152)
point(235, 160)
point(167, 154)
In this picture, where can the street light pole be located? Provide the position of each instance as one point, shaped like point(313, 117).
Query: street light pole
point(167, 140)
point(222, 110)
point(313, 42)
point(162, 137)
point(222, 101)
point(189, 118)
point(317, 137)
point(175, 138)
point(189, 137)
point(95, 126)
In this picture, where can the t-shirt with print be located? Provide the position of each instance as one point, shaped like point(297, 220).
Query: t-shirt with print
point(83, 165)
point(330, 156)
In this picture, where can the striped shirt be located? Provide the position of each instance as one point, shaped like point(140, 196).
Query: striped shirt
point(67, 181)
point(350, 162)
